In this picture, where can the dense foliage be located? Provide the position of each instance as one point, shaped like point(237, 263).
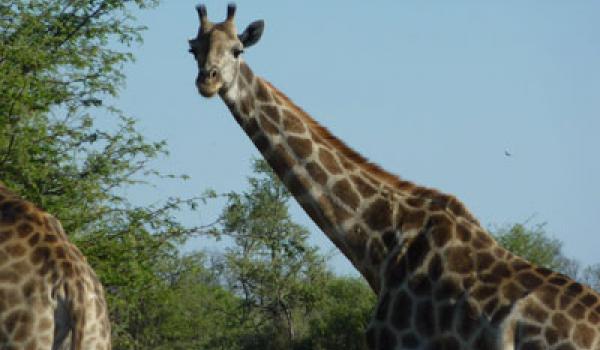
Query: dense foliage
point(534, 244)
point(56, 70)
point(289, 299)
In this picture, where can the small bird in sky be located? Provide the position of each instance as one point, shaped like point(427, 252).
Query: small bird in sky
point(507, 153)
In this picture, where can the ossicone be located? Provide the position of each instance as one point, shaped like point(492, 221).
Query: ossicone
point(230, 11)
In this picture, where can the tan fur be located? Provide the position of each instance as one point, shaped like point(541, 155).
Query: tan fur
point(50, 298)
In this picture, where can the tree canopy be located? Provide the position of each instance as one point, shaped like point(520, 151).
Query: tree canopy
point(60, 61)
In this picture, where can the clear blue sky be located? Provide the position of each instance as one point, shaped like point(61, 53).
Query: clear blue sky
point(434, 91)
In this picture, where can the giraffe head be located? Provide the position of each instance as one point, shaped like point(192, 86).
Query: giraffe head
point(217, 49)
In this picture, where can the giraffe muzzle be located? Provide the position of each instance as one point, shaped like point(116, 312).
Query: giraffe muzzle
point(208, 74)
point(208, 82)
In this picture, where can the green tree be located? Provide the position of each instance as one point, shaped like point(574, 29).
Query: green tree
point(56, 69)
point(195, 311)
point(534, 244)
point(60, 61)
point(130, 249)
point(270, 265)
point(56, 52)
point(342, 315)
point(590, 275)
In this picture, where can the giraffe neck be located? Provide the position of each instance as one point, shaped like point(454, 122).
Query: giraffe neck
point(366, 212)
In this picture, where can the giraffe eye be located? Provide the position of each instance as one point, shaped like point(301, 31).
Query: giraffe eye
point(237, 51)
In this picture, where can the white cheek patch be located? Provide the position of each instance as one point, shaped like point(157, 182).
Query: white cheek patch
point(228, 72)
point(234, 93)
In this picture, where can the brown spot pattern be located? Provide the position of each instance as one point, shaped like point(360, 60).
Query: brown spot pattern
point(24, 229)
point(246, 106)
point(291, 123)
point(301, 147)
point(341, 214)
point(535, 312)
point(15, 250)
point(583, 335)
point(376, 251)
point(343, 190)
point(317, 173)
point(463, 233)
point(280, 161)
point(261, 142)
point(262, 93)
point(267, 126)
point(34, 239)
point(251, 128)
point(416, 202)
point(363, 187)
point(481, 240)
point(417, 252)
point(413, 219)
point(357, 240)
point(378, 215)
point(329, 162)
point(246, 73)
point(459, 259)
point(511, 291)
point(441, 235)
point(529, 280)
point(297, 184)
point(484, 261)
point(272, 112)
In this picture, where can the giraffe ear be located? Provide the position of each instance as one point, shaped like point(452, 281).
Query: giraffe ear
point(252, 34)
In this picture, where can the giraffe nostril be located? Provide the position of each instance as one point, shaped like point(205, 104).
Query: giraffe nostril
point(208, 74)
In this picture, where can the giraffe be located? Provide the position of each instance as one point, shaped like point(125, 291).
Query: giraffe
point(441, 280)
point(50, 298)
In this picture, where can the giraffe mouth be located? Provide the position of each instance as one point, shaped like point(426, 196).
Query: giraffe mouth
point(208, 90)
point(208, 86)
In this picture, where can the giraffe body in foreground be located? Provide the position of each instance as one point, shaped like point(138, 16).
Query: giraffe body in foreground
point(441, 280)
point(50, 298)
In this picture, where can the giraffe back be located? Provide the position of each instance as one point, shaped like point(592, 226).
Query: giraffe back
point(50, 298)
